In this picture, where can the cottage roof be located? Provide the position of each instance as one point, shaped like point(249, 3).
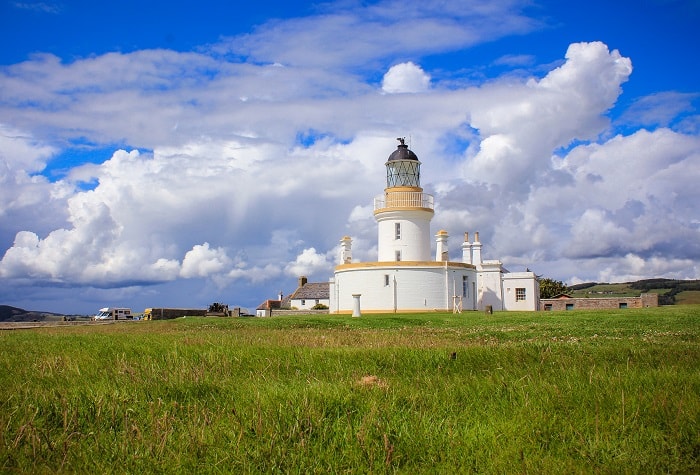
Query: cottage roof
point(312, 290)
point(269, 304)
point(286, 301)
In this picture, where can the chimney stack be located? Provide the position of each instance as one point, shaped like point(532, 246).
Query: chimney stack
point(442, 253)
point(466, 250)
point(346, 250)
point(476, 250)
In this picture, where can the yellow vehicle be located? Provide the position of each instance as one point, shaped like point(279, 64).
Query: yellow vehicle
point(170, 313)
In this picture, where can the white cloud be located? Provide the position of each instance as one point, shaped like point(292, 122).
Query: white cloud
point(202, 261)
point(40, 7)
point(521, 124)
point(515, 60)
point(660, 109)
point(629, 196)
point(344, 35)
point(27, 198)
point(22, 153)
point(308, 263)
point(405, 77)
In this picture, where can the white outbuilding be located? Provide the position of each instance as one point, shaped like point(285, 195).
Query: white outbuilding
point(405, 277)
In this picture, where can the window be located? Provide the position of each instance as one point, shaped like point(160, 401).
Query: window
point(519, 294)
point(397, 231)
point(569, 306)
point(398, 255)
point(403, 173)
point(303, 302)
point(386, 280)
point(465, 286)
point(623, 304)
point(548, 307)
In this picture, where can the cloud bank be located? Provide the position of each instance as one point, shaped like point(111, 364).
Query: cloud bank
point(239, 167)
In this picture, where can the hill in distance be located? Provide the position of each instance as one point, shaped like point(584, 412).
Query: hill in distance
point(14, 314)
point(670, 291)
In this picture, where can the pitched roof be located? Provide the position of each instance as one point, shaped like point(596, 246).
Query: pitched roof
point(269, 304)
point(312, 290)
point(286, 301)
point(562, 296)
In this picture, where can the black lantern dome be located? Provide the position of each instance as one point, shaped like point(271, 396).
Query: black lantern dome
point(402, 152)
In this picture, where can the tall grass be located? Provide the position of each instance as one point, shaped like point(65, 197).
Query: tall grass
point(575, 392)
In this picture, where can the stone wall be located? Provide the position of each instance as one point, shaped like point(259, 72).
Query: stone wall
point(644, 300)
point(277, 312)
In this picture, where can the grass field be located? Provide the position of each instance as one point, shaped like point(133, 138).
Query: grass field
point(689, 297)
point(555, 392)
point(610, 290)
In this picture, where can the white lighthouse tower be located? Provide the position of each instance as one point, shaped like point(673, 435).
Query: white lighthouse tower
point(404, 212)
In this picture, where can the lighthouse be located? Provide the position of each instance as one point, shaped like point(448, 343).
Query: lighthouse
point(405, 277)
point(404, 211)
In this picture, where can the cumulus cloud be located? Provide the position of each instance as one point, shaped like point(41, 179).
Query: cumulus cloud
point(309, 262)
point(611, 201)
point(405, 77)
point(202, 261)
point(27, 197)
point(521, 125)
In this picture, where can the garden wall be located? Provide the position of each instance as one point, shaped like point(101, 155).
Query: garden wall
point(575, 303)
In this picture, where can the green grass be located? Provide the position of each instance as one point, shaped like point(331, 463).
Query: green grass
point(688, 297)
point(559, 392)
point(611, 290)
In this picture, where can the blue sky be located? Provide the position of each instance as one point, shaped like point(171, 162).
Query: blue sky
point(181, 153)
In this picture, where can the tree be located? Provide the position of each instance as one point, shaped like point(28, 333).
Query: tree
point(551, 288)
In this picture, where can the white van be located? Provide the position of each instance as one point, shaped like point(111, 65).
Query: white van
point(111, 313)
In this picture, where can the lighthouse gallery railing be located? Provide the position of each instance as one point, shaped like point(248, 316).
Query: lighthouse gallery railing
point(404, 199)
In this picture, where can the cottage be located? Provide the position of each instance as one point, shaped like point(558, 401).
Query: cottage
point(265, 309)
point(309, 295)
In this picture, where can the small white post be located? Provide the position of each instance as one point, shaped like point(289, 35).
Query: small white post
point(356, 305)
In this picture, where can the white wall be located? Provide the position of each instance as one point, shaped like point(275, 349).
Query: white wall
point(524, 280)
point(307, 304)
point(411, 288)
point(415, 239)
point(489, 287)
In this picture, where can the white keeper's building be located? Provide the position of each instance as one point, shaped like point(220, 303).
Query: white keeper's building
point(405, 278)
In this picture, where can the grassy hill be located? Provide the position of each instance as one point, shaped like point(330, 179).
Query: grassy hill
point(682, 292)
point(14, 314)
